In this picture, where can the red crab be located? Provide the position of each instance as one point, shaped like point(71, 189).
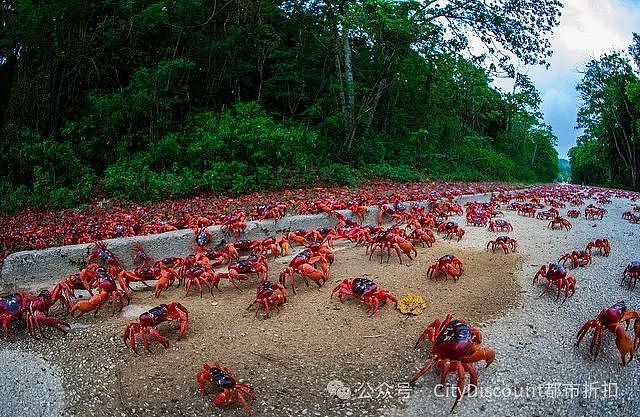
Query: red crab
point(577, 202)
point(358, 209)
point(163, 276)
point(504, 242)
point(455, 231)
point(277, 246)
point(305, 264)
point(527, 209)
point(252, 264)
point(318, 235)
point(246, 245)
point(341, 232)
point(101, 252)
point(66, 287)
point(495, 213)
point(168, 274)
point(147, 324)
point(561, 221)
point(269, 295)
point(574, 214)
point(108, 291)
point(452, 208)
point(234, 223)
point(556, 275)
point(366, 291)
point(602, 244)
point(299, 236)
point(231, 390)
point(451, 229)
point(391, 239)
point(140, 257)
point(446, 265)
point(547, 215)
point(90, 276)
point(455, 347)
point(362, 235)
point(592, 212)
point(198, 272)
point(577, 258)
point(611, 319)
point(556, 203)
point(500, 225)
point(203, 239)
point(631, 273)
point(478, 219)
point(35, 310)
point(422, 236)
point(222, 256)
point(397, 212)
point(325, 251)
point(272, 210)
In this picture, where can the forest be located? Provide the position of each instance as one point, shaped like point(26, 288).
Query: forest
point(145, 100)
point(608, 152)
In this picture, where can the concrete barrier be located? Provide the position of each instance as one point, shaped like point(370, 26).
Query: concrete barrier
point(41, 268)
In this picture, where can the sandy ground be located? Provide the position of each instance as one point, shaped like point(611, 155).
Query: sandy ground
point(291, 357)
point(319, 357)
point(538, 370)
point(30, 385)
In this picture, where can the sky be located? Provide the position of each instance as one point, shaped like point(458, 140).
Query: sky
point(588, 29)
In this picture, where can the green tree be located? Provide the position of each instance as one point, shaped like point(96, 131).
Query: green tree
point(610, 114)
point(154, 99)
point(589, 163)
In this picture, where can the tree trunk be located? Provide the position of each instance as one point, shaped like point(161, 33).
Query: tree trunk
point(381, 86)
point(350, 128)
point(338, 43)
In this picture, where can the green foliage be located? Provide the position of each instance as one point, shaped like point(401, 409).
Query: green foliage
point(589, 163)
point(565, 170)
point(13, 197)
point(236, 151)
point(132, 179)
point(396, 173)
point(226, 176)
point(151, 100)
point(53, 175)
point(609, 150)
point(338, 174)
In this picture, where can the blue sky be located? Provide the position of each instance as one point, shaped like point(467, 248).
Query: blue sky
point(588, 29)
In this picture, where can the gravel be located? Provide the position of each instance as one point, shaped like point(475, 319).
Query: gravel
point(29, 386)
point(534, 343)
point(536, 357)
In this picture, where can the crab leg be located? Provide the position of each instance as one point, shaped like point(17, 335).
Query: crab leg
point(373, 305)
point(145, 342)
point(242, 401)
point(460, 385)
point(427, 366)
point(158, 337)
point(596, 341)
point(445, 368)
point(398, 252)
point(473, 376)
point(265, 306)
point(624, 344)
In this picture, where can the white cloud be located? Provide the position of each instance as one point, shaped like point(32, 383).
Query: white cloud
point(592, 27)
point(588, 29)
